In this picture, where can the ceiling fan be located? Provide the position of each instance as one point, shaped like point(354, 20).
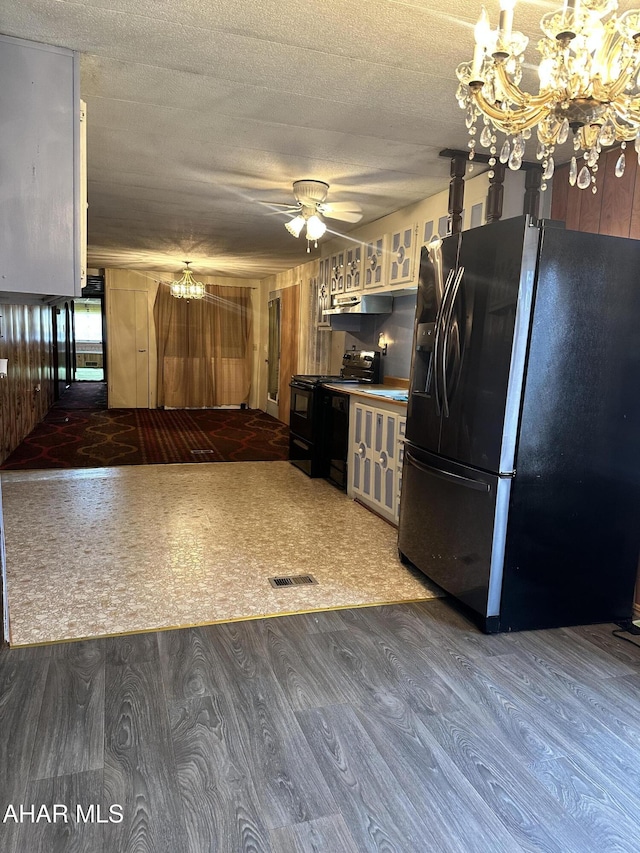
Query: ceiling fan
point(311, 208)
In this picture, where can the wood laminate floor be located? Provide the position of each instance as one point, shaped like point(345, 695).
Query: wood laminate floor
point(395, 728)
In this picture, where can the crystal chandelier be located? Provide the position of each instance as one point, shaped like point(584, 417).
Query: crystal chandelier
point(186, 287)
point(589, 86)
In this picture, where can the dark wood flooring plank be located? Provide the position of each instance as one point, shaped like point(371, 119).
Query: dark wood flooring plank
point(610, 820)
point(132, 648)
point(22, 686)
point(70, 737)
point(312, 623)
point(369, 661)
point(459, 819)
point(324, 835)
point(306, 677)
point(288, 782)
point(221, 807)
point(375, 808)
point(568, 653)
point(523, 805)
point(602, 637)
point(140, 770)
point(72, 835)
point(188, 669)
point(594, 727)
point(490, 697)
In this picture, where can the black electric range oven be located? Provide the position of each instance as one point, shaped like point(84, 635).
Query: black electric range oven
point(312, 447)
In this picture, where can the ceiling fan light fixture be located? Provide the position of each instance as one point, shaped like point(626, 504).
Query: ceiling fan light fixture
point(315, 227)
point(295, 225)
point(187, 287)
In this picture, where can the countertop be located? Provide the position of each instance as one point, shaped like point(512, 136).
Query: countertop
point(368, 392)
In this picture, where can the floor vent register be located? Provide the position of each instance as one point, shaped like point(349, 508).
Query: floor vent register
point(293, 580)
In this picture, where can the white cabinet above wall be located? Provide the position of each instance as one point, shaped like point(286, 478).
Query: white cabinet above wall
point(402, 261)
point(353, 268)
point(376, 262)
point(337, 272)
point(40, 189)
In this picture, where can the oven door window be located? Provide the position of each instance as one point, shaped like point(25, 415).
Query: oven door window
point(301, 404)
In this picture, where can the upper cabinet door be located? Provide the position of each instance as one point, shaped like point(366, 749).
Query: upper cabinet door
point(353, 268)
point(337, 272)
point(40, 190)
point(323, 293)
point(402, 266)
point(376, 263)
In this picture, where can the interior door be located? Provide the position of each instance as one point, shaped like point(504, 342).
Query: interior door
point(128, 349)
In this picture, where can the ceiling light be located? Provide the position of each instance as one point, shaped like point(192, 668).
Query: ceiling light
point(589, 85)
point(186, 287)
point(312, 219)
point(295, 226)
point(315, 227)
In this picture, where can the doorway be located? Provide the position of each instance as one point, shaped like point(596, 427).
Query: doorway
point(273, 358)
point(89, 340)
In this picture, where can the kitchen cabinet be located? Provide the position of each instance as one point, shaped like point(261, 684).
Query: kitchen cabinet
point(402, 260)
point(376, 263)
point(375, 455)
point(41, 192)
point(353, 268)
point(337, 272)
point(323, 293)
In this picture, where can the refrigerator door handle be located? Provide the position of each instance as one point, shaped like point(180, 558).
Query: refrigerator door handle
point(446, 475)
point(447, 324)
point(436, 342)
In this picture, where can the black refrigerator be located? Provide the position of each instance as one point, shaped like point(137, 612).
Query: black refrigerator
point(521, 474)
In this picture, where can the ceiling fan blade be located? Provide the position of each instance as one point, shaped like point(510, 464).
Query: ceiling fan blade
point(289, 205)
point(343, 215)
point(349, 206)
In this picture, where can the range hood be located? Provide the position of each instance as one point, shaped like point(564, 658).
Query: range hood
point(361, 303)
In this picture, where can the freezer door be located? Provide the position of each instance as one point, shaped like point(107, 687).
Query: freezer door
point(452, 527)
point(481, 359)
point(438, 266)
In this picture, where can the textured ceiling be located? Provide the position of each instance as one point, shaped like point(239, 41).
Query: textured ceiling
point(196, 109)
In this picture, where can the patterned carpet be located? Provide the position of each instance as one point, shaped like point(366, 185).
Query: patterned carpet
point(76, 434)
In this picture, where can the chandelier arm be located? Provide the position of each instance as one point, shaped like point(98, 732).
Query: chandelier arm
point(617, 88)
point(522, 119)
point(623, 131)
point(515, 94)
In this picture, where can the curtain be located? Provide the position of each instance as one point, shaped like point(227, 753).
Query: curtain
point(204, 348)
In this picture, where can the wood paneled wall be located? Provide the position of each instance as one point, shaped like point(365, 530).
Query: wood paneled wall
point(614, 209)
point(289, 343)
point(26, 337)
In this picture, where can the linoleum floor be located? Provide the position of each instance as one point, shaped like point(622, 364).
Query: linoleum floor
point(119, 550)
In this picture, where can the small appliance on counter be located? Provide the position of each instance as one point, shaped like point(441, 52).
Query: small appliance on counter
point(311, 444)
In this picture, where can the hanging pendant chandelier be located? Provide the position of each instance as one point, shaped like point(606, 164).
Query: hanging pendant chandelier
point(187, 287)
point(589, 86)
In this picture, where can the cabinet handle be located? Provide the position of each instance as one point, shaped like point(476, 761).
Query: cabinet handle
point(142, 350)
point(362, 451)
